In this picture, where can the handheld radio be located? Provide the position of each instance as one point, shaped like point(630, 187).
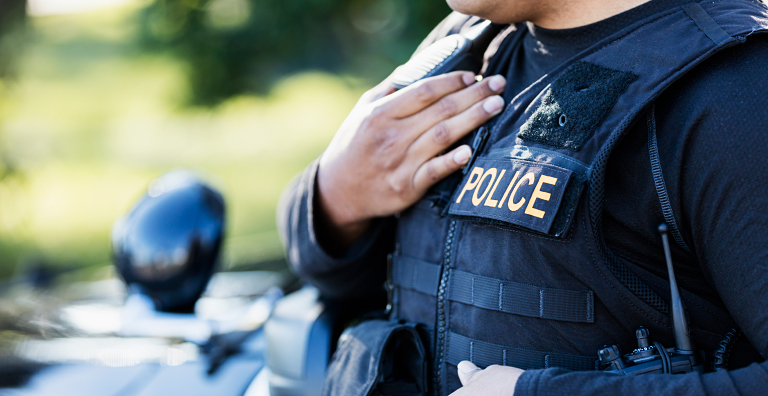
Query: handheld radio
point(455, 52)
point(654, 358)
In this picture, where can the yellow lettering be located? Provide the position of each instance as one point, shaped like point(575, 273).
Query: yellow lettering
point(475, 199)
point(538, 194)
point(514, 206)
point(471, 184)
point(509, 188)
point(490, 201)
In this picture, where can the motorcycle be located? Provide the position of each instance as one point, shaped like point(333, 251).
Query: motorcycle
point(254, 333)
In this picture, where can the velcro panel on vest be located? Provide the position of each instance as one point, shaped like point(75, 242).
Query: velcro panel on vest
point(484, 354)
point(413, 274)
point(496, 294)
point(522, 299)
point(575, 105)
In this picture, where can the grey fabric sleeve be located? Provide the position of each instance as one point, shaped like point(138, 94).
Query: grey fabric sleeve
point(359, 272)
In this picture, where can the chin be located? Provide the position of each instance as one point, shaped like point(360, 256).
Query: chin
point(499, 11)
point(472, 7)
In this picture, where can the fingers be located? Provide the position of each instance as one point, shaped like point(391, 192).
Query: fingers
point(466, 371)
point(414, 98)
point(438, 168)
point(445, 133)
point(457, 102)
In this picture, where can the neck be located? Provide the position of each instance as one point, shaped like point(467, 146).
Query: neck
point(566, 14)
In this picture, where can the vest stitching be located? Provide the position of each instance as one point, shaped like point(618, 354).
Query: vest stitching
point(521, 231)
point(415, 278)
point(573, 161)
point(475, 215)
point(472, 298)
point(501, 295)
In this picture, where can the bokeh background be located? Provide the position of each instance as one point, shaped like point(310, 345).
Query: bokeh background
point(98, 97)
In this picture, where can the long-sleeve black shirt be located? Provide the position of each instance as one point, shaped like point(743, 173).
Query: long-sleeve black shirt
point(712, 128)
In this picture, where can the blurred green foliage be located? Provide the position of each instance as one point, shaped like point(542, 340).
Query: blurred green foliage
point(13, 14)
point(238, 46)
point(92, 109)
point(90, 119)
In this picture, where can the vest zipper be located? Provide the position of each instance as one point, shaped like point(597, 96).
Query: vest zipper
point(442, 325)
point(477, 146)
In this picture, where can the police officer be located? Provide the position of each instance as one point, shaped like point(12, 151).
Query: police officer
point(601, 120)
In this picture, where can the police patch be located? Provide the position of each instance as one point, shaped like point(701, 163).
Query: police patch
point(518, 192)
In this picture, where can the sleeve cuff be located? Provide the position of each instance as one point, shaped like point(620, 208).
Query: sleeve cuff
point(527, 383)
point(326, 253)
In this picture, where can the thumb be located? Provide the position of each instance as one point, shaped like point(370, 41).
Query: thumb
point(383, 89)
point(467, 370)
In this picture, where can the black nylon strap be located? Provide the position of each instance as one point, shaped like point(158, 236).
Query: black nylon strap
point(414, 274)
point(522, 299)
point(485, 354)
point(706, 23)
point(658, 180)
point(496, 294)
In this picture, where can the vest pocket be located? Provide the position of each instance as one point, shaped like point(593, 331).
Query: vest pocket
point(378, 358)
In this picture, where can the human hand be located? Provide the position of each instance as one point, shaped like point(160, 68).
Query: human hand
point(387, 153)
point(493, 381)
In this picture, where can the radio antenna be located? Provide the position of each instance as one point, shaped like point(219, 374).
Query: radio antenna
point(683, 342)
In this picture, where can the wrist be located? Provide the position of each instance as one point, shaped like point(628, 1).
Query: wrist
point(335, 215)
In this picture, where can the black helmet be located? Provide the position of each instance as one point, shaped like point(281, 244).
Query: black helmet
point(168, 245)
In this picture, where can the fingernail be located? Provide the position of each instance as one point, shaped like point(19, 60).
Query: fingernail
point(461, 156)
point(497, 83)
point(468, 78)
point(466, 367)
point(493, 104)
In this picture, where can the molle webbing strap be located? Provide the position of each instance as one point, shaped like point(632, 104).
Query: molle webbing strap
point(485, 354)
point(522, 299)
point(414, 274)
point(496, 294)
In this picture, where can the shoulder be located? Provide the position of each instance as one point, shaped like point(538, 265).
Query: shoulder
point(711, 130)
point(719, 108)
point(730, 83)
point(712, 139)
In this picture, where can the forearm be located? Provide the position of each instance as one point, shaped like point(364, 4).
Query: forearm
point(355, 272)
point(748, 381)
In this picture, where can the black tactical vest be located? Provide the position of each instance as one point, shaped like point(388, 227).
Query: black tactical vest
point(513, 268)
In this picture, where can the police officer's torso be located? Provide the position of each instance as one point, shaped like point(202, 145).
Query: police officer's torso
point(507, 264)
